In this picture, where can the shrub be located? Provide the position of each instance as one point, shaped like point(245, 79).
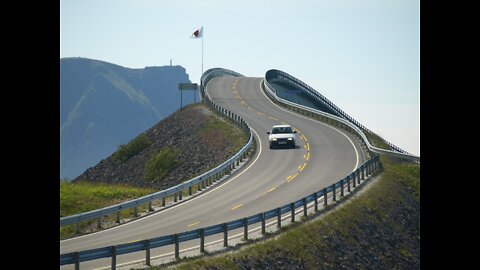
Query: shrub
point(125, 152)
point(161, 164)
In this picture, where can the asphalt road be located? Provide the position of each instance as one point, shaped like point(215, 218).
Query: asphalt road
point(272, 178)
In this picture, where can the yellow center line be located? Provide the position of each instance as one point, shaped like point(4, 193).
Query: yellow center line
point(305, 138)
point(308, 147)
point(290, 178)
point(238, 206)
point(243, 103)
point(272, 118)
point(270, 190)
point(308, 156)
point(303, 167)
point(193, 224)
point(299, 166)
point(260, 113)
point(238, 97)
point(250, 109)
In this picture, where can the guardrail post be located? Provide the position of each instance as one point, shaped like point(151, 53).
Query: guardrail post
point(180, 195)
point(334, 193)
point(177, 247)
point(279, 218)
point(175, 197)
point(356, 175)
point(147, 252)
point(315, 198)
point(114, 257)
point(245, 229)
point(117, 218)
point(163, 201)
point(225, 235)
point(348, 182)
point(99, 223)
point(202, 240)
point(190, 190)
point(263, 223)
point(325, 197)
point(199, 188)
point(77, 227)
point(292, 212)
point(304, 201)
point(135, 211)
point(77, 260)
point(363, 175)
point(341, 187)
point(150, 209)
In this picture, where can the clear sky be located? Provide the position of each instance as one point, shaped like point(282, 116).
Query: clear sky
point(364, 55)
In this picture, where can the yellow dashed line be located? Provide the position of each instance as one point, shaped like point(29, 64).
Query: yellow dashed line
point(270, 190)
point(299, 166)
point(238, 206)
point(303, 167)
point(250, 109)
point(301, 138)
point(272, 118)
point(193, 224)
point(308, 147)
point(238, 97)
point(243, 103)
point(291, 177)
point(305, 138)
point(260, 113)
point(308, 156)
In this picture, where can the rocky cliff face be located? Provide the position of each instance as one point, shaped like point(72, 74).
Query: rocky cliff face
point(103, 105)
point(189, 130)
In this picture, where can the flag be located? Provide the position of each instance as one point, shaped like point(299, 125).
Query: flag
point(198, 33)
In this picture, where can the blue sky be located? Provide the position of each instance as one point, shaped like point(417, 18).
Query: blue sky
point(362, 55)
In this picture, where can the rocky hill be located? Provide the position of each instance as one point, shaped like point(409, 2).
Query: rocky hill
point(198, 135)
point(103, 105)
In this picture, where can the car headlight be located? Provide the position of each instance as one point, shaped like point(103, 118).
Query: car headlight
point(274, 139)
point(290, 139)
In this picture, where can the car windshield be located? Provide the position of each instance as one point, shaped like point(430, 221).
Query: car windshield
point(280, 130)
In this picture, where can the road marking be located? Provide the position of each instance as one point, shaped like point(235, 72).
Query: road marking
point(270, 190)
point(308, 147)
point(272, 118)
point(303, 167)
point(308, 156)
point(236, 207)
point(291, 177)
point(250, 108)
point(305, 138)
point(316, 121)
point(193, 224)
point(260, 113)
point(299, 166)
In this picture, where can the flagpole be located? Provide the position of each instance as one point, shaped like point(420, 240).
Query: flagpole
point(202, 48)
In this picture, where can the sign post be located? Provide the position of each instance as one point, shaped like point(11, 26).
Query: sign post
point(187, 86)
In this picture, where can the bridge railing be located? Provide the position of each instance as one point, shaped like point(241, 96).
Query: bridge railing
point(202, 180)
point(277, 75)
point(334, 192)
point(343, 120)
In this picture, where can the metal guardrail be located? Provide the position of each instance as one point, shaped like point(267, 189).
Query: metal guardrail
point(352, 180)
point(201, 180)
point(277, 75)
point(342, 119)
point(361, 173)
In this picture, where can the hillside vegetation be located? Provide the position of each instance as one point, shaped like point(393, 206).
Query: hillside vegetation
point(189, 142)
point(380, 229)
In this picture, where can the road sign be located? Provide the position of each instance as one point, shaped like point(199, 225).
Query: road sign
point(187, 86)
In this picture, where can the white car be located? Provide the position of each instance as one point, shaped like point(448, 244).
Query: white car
point(282, 135)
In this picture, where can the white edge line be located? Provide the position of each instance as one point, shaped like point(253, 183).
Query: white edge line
point(356, 151)
point(175, 206)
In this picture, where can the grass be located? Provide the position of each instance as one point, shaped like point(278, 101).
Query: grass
point(81, 197)
point(380, 228)
point(218, 132)
point(135, 146)
point(162, 163)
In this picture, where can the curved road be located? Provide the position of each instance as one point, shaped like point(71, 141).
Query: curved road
point(272, 178)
